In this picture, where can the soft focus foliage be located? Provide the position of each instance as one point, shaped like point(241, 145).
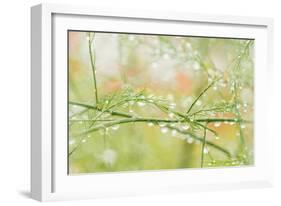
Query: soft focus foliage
point(145, 102)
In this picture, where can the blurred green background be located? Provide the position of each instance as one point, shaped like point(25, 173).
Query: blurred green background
point(140, 74)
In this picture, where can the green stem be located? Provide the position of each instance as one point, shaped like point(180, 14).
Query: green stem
point(215, 109)
point(203, 92)
point(123, 114)
point(203, 147)
point(237, 67)
point(129, 120)
point(235, 120)
point(99, 109)
point(93, 66)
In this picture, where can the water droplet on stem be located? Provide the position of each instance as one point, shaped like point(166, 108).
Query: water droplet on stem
point(164, 129)
point(150, 124)
point(217, 124)
point(115, 127)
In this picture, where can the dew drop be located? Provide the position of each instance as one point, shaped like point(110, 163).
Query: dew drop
point(172, 106)
point(109, 157)
point(150, 124)
point(243, 126)
point(115, 127)
point(185, 127)
point(162, 124)
point(215, 88)
point(205, 150)
point(217, 124)
point(106, 130)
point(164, 129)
point(83, 140)
point(198, 103)
point(141, 104)
point(171, 115)
point(190, 140)
point(72, 142)
point(196, 66)
point(217, 137)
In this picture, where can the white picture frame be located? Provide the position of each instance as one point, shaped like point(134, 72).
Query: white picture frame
point(49, 179)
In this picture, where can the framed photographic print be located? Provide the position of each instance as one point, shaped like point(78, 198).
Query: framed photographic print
point(134, 102)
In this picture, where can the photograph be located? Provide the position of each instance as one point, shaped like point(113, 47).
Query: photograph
point(153, 102)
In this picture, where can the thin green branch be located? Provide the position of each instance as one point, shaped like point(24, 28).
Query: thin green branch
point(99, 109)
point(90, 120)
point(206, 128)
point(123, 114)
point(130, 120)
point(214, 109)
point(200, 95)
point(235, 120)
point(203, 147)
point(238, 114)
point(92, 60)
